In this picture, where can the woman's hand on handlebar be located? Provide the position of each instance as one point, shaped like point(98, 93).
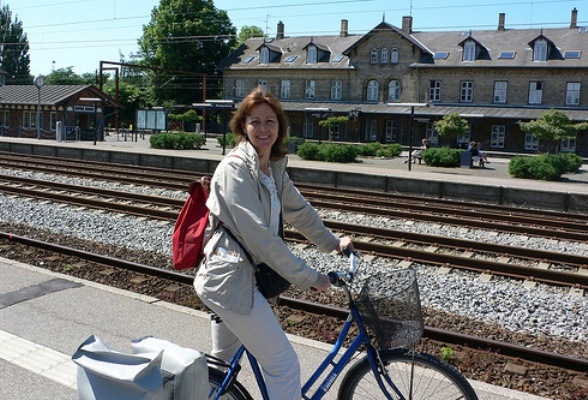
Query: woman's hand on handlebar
point(323, 283)
point(345, 243)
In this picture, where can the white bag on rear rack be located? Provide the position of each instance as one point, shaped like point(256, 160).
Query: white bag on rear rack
point(105, 374)
point(188, 367)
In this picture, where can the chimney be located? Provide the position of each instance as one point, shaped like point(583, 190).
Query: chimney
point(344, 28)
point(574, 22)
point(501, 18)
point(407, 24)
point(280, 31)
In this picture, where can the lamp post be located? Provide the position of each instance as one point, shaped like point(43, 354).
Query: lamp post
point(39, 82)
point(410, 125)
point(94, 101)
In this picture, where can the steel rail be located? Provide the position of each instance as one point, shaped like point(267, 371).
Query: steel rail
point(464, 244)
point(509, 349)
point(97, 203)
point(553, 277)
point(560, 233)
point(392, 197)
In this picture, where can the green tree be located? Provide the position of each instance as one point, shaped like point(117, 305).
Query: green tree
point(247, 32)
point(551, 127)
point(452, 126)
point(14, 49)
point(186, 35)
point(66, 76)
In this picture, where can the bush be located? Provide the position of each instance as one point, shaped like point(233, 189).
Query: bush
point(328, 152)
point(298, 141)
point(377, 149)
point(369, 149)
point(442, 157)
point(177, 141)
point(545, 167)
point(230, 137)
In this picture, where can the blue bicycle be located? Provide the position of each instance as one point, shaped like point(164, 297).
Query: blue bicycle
point(388, 323)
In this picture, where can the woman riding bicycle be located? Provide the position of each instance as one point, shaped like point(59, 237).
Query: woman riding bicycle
point(251, 194)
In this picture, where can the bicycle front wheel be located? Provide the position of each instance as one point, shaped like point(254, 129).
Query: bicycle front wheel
point(236, 390)
point(417, 376)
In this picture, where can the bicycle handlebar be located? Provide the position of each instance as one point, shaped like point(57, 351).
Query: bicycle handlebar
point(341, 278)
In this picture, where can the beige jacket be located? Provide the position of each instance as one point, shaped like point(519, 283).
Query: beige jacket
point(242, 203)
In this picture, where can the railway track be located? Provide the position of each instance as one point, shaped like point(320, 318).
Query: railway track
point(528, 264)
point(473, 342)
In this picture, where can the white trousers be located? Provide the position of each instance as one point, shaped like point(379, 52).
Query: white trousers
point(263, 336)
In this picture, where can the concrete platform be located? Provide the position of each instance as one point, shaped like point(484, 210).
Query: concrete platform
point(45, 316)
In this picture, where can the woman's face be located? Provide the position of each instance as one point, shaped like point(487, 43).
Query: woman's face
point(262, 127)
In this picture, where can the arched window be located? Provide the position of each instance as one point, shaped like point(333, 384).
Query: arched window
point(394, 56)
point(394, 90)
point(374, 56)
point(372, 90)
point(311, 55)
point(264, 55)
point(384, 56)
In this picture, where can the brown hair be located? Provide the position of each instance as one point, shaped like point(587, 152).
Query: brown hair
point(255, 98)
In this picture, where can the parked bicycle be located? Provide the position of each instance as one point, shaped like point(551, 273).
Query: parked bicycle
point(388, 326)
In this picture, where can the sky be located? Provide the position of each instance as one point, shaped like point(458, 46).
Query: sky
point(81, 33)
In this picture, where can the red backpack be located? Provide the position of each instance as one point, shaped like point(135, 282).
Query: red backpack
point(188, 236)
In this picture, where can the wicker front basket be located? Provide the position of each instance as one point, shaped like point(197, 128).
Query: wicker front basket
point(392, 315)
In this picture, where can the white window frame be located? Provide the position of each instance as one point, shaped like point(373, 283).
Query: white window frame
point(432, 135)
point(469, 51)
point(310, 89)
point(264, 55)
point(374, 56)
point(239, 88)
point(531, 142)
point(435, 90)
point(568, 145)
point(371, 130)
point(309, 126)
point(285, 89)
point(467, 91)
point(384, 56)
point(372, 90)
point(535, 92)
point(311, 55)
point(336, 90)
point(498, 136)
point(573, 90)
point(500, 91)
point(391, 133)
point(394, 90)
point(394, 56)
point(540, 50)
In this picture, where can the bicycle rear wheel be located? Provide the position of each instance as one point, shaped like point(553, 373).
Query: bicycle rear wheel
point(235, 392)
point(431, 378)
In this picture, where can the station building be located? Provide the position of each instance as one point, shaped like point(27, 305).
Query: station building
point(392, 79)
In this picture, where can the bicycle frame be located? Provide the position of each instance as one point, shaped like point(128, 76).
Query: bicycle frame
point(336, 367)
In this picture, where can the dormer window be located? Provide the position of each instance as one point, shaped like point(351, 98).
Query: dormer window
point(311, 55)
point(540, 50)
point(264, 55)
point(469, 51)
